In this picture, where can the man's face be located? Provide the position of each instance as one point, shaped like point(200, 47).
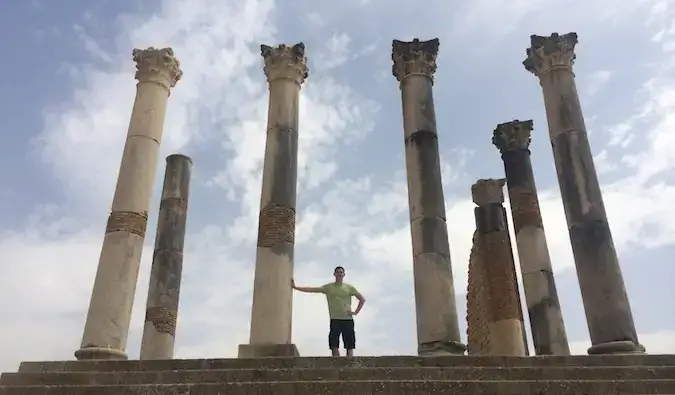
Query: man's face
point(339, 274)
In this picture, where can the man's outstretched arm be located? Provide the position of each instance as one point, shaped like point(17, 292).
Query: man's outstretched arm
point(306, 289)
point(362, 301)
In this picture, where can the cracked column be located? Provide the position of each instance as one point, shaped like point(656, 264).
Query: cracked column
point(608, 311)
point(161, 311)
point(414, 65)
point(543, 307)
point(507, 336)
point(271, 315)
point(107, 324)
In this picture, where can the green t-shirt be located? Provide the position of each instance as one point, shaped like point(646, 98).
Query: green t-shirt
point(339, 297)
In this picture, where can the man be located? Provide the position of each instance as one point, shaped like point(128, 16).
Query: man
point(339, 296)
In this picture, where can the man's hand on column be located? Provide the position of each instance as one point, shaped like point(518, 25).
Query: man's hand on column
point(293, 283)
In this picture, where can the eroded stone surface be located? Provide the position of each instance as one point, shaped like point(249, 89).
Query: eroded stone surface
point(271, 312)
point(606, 303)
point(414, 64)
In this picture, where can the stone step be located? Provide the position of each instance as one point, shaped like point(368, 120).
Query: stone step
point(339, 374)
point(476, 387)
point(343, 362)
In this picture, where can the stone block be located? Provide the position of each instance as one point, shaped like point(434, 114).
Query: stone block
point(267, 350)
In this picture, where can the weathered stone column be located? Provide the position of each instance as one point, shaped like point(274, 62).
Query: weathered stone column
point(608, 312)
point(107, 325)
point(437, 327)
point(478, 341)
point(548, 329)
point(161, 312)
point(271, 316)
point(505, 315)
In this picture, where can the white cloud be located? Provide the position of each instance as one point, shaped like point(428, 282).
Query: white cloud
point(596, 81)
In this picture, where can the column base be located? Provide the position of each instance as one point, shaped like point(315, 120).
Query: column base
point(617, 347)
point(438, 348)
point(267, 350)
point(93, 352)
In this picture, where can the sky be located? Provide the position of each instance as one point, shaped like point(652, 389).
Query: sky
point(67, 96)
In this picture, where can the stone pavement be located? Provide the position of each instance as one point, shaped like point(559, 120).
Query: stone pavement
point(617, 374)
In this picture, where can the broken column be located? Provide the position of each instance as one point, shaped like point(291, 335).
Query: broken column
point(505, 316)
point(271, 315)
point(478, 340)
point(543, 307)
point(437, 327)
point(161, 312)
point(608, 311)
point(109, 315)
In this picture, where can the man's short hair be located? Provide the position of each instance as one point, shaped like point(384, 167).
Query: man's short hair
point(338, 268)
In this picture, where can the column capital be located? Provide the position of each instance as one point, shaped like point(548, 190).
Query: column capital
point(488, 191)
point(548, 53)
point(285, 62)
point(157, 65)
point(513, 136)
point(414, 58)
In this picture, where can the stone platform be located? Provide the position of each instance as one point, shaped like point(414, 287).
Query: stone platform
point(602, 375)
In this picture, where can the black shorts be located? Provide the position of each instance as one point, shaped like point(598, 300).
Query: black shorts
point(344, 328)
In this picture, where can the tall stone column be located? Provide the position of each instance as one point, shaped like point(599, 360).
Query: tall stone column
point(107, 324)
point(271, 315)
point(161, 311)
point(507, 335)
point(608, 311)
point(437, 327)
point(548, 329)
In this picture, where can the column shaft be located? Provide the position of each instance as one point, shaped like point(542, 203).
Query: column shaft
point(608, 311)
point(271, 315)
point(437, 325)
point(109, 314)
point(541, 295)
point(161, 312)
point(505, 314)
point(477, 302)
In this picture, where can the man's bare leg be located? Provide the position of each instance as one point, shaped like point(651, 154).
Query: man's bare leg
point(335, 352)
point(350, 353)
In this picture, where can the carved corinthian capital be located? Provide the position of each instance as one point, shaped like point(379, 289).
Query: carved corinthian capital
point(513, 136)
point(414, 57)
point(285, 62)
point(549, 53)
point(488, 191)
point(157, 65)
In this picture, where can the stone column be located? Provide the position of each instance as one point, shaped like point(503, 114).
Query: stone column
point(437, 327)
point(478, 341)
point(608, 311)
point(543, 307)
point(161, 312)
point(271, 315)
point(107, 324)
point(505, 315)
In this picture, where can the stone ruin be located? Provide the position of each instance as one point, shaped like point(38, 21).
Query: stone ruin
point(498, 361)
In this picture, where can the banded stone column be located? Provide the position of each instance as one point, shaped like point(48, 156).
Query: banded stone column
point(608, 311)
point(107, 324)
point(437, 327)
point(161, 311)
point(507, 335)
point(271, 316)
point(548, 329)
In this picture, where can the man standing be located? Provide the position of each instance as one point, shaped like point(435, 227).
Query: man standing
point(339, 296)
